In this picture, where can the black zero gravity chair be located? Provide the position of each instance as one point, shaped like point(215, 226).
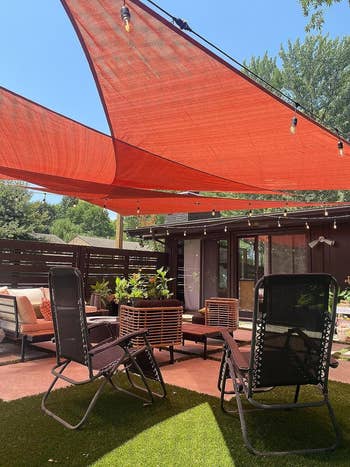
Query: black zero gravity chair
point(105, 358)
point(293, 328)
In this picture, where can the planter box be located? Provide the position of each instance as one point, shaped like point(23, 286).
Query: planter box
point(163, 323)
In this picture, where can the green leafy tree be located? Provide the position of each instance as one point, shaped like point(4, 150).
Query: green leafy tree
point(316, 74)
point(79, 217)
point(17, 219)
point(45, 213)
point(65, 229)
point(316, 9)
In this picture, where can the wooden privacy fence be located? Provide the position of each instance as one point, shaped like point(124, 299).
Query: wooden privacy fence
point(26, 264)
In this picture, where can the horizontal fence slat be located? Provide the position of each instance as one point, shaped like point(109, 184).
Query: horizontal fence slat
point(26, 264)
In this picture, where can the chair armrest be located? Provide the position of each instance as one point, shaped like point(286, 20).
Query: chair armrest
point(121, 342)
point(237, 357)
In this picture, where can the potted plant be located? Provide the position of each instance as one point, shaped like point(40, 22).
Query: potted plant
point(121, 294)
point(101, 294)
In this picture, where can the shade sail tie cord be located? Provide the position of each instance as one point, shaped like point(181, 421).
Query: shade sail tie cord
point(184, 26)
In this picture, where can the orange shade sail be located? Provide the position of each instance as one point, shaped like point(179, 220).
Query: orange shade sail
point(40, 141)
point(167, 95)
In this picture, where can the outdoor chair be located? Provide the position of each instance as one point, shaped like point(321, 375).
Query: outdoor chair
point(103, 360)
point(293, 327)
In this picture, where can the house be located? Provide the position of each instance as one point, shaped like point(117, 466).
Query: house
point(226, 256)
point(105, 243)
point(47, 238)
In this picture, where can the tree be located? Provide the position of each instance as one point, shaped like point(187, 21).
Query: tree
point(316, 74)
point(76, 216)
point(65, 229)
point(317, 7)
point(17, 219)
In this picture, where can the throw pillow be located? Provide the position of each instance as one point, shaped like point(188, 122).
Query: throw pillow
point(45, 309)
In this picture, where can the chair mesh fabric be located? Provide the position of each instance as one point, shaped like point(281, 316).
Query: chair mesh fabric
point(293, 325)
point(68, 312)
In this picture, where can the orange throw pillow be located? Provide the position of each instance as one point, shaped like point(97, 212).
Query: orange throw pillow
point(45, 309)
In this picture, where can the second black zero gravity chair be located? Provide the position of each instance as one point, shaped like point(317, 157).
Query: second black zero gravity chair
point(103, 360)
point(293, 328)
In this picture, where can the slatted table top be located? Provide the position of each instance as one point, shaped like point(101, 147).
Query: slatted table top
point(201, 329)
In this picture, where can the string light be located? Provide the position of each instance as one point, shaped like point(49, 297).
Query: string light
point(335, 225)
point(340, 148)
point(249, 223)
point(205, 230)
point(213, 212)
point(307, 225)
point(125, 16)
point(325, 212)
point(293, 125)
point(225, 228)
point(150, 230)
point(285, 212)
point(250, 213)
point(167, 232)
point(185, 233)
point(138, 210)
point(279, 223)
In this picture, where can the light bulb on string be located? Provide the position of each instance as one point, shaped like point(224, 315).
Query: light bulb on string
point(138, 210)
point(279, 223)
point(325, 212)
point(335, 225)
point(293, 125)
point(205, 230)
point(294, 121)
point(307, 225)
point(340, 148)
point(185, 233)
point(285, 212)
point(249, 223)
point(250, 213)
point(167, 232)
point(150, 230)
point(213, 212)
point(125, 16)
point(225, 228)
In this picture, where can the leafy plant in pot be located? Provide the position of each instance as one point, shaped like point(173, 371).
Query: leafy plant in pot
point(101, 294)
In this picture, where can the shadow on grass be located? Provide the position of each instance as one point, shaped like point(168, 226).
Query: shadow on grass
point(290, 429)
point(187, 428)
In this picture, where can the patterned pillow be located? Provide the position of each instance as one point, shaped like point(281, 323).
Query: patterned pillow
point(45, 309)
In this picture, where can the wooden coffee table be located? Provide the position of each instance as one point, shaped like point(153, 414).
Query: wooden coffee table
point(200, 333)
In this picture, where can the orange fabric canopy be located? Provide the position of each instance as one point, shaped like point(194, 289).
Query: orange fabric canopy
point(166, 94)
point(35, 139)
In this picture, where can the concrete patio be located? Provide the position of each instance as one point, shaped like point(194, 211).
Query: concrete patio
point(189, 371)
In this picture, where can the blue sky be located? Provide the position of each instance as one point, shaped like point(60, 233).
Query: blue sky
point(42, 59)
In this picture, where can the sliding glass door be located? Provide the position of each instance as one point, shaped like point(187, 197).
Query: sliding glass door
point(267, 254)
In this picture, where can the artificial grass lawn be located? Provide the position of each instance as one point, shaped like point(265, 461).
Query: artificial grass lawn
point(186, 429)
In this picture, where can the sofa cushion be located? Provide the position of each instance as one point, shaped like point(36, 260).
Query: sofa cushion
point(40, 326)
point(25, 310)
point(4, 291)
point(34, 294)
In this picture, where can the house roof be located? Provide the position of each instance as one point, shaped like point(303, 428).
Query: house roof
point(48, 238)
point(105, 243)
point(258, 222)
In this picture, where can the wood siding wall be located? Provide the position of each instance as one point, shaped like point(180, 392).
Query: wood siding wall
point(26, 264)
